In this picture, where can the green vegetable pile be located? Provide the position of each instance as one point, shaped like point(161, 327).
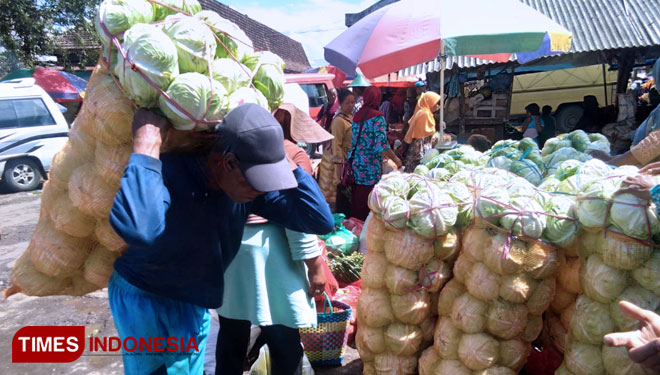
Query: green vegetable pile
point(193, 65)
point(346, 268)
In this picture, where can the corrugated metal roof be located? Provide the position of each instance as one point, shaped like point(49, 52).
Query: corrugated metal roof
point(596, 25)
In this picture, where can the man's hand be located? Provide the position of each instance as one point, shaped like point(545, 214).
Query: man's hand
point(639, 186)
point(652, 169)
point(643, 344)
point(149, 133)
point(316, 276)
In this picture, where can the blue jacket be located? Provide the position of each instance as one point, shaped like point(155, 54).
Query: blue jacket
point(182, 235)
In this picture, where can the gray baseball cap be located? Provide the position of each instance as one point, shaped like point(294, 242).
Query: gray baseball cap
point(253, 135)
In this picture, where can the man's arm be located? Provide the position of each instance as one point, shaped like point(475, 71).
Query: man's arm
point(302, 209)
point(139, 208)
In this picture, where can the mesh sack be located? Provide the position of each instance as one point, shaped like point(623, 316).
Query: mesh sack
point(107, 237)
point(111, 110)
point(80, 287)
point(492, 310)
point(111, 161)
point(82, 142)
point(70, 220)
point(55, 253)
point(26, 279)
point(90, 193)
point(375, 236)
point(62, 166)
point(98, 266)
point(407, 250)
point(49, 195)
point(606, 278)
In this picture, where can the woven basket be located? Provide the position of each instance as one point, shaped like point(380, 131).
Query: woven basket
point(326, 344)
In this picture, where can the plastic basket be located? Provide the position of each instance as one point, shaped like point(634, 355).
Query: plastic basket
point(326, 344)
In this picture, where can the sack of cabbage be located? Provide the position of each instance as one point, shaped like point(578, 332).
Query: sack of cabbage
point(195, 69)
point(408, 261)
point(491, 311)
point(620, 261)
point(193, 65)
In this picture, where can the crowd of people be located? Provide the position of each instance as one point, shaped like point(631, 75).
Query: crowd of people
point(235, 229)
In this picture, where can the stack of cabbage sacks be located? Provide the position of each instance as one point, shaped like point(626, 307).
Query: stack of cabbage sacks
point(619, 262)
point(504, 280)
point(74, 247)
point(411, 244)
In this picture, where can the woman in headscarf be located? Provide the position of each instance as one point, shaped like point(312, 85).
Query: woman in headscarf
point(421, 130)
point(369, 145)
point(333, 158)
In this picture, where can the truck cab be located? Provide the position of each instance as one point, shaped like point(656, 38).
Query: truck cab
point(316, 86)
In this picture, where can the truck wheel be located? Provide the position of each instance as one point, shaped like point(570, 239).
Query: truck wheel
point(21, 175)
point(568, 117)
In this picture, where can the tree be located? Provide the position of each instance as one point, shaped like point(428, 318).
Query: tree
point(29, 28)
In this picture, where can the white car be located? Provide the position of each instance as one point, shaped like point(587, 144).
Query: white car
point(32, 131)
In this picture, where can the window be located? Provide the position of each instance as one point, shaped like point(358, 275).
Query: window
point(24, 112)
point(316, 93)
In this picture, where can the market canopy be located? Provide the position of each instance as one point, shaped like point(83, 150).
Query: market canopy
point(409, 32)
point(60, 85)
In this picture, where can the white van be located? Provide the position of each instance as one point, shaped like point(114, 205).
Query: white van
point(32, 131)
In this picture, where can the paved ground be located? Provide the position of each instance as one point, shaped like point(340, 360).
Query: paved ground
point(18, 217)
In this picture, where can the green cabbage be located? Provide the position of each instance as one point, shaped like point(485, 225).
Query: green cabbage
point(584, 359)
point(464, 200)
point(514, 353)
point(120, 15)
point(491, 203)
point(506, 320)
point(448, 296)
point(648, 275)
point(429, 155)
point(597, 137)
point(579, 139)
point(391, 184)
point(517, 288)
point(632, 215)
point(593, 203)
point(155, 55)
point(478, 351)
point(269, 77)
point(591, 321)
point(561, 225)
point(233, 75)
point(501, 162)
point(446, 338)
point(247, 95)
point(233, 43)
point(194, 41)
point(527, 144)
point(399, 280)
point(599, 146)
point(526, 217)
point(617, 361)
point(192, 92)
point(374, 308)
point(452, 366)
point(395, 212)
point(601, 282)
point(438, 174)
point(635, 295)
point(433, 212)
point(421, 170)
point(567, 169)
point(403, 339)
point(569, 186)
point(482, 282)
point(411, 308)
point(550, 184)
point(469, 314)
point(528, 170)
point(189, 6)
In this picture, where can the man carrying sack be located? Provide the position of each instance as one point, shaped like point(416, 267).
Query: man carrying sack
point(183, 216)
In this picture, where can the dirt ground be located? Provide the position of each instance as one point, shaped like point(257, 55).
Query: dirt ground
point(18, 217)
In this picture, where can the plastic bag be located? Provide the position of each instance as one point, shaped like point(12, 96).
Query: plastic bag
point(341, 239)
point(262, 365)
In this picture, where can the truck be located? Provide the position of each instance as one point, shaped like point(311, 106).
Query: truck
point(564, 90)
